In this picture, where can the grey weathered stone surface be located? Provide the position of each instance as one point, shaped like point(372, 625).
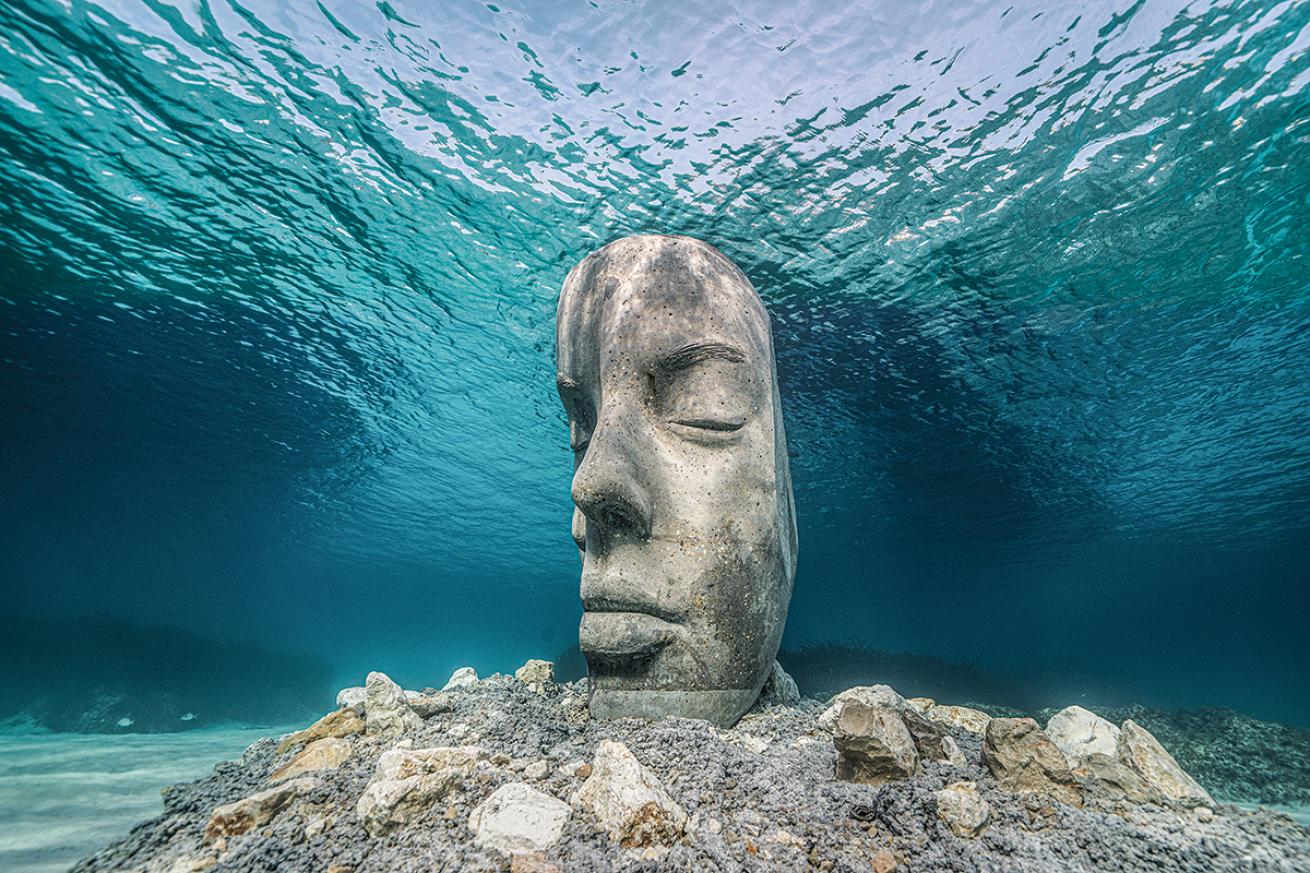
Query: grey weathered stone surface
point(386, 709)
point(930, 738)
point(629, 801)
point(518, 818)
point(1080, 732)
point(407, 782)
point(963, 809)
point(1109, 777)
point(684, 512)
point(1140, 750)
point(869, 695)
point(1025, 761)
point(779, 689)
point(873, 744)
point(464, 677)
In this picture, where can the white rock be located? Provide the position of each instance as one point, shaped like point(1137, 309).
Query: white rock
point(869, 695)
point(408, 781)
point(537, 770)
point(352, 698)
point(922, 704)
point(963, 809)
point(518, 818)
point(386, 710)
point(536, 674)
point(629, 800)
point(1142, 752)
point(464, 677)
point(1080, 732)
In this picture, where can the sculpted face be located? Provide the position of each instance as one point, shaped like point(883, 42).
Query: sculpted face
point(683, 499)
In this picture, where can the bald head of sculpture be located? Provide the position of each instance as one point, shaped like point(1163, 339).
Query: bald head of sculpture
point(684, 512)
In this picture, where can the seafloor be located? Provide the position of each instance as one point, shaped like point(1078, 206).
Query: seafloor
point(761, 796)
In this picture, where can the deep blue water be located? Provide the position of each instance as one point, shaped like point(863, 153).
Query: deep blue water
point(277, 290)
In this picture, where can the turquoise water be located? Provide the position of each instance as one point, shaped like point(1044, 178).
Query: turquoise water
point(277, 289)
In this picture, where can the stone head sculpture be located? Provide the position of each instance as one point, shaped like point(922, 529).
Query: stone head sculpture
point(684, 511)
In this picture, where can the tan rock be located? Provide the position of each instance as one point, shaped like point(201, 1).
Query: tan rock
point(1140, 750)
point(344, 722)
point(232, 819)
point(408, 781)
point(536, 675)
point(884, 861)
point(629, 800)
point(1025, 761)
point(428, 705)
point(963, 809)
point(923, 704)
point(873, 744)
point(972, 720)
point(531, 862)
point(325, 754)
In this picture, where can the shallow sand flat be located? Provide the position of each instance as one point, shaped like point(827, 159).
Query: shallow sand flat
point(64, 795)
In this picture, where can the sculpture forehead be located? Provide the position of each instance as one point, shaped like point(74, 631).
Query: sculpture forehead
point(656, 294)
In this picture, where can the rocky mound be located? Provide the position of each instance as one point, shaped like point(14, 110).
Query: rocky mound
point(510, 773)
point(1238, 757)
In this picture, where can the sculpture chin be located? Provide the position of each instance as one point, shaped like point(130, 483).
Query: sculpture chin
point(625, 651)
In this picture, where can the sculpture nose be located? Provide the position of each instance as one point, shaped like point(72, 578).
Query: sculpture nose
point(607, 491)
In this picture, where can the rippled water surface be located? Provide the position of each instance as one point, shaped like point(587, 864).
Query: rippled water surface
point(277, 288)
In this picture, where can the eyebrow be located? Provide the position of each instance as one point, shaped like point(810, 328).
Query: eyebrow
point(690, 355)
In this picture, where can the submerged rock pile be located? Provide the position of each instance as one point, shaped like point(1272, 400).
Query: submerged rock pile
point(511, 773)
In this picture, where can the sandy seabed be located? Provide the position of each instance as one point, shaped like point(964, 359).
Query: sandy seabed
point(62, 796)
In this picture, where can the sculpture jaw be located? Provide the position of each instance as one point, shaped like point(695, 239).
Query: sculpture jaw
point(721, 707)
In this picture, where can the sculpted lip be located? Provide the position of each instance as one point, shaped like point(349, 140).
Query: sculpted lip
point(624, 634)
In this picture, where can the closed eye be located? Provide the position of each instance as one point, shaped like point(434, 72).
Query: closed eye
point(710, 423)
